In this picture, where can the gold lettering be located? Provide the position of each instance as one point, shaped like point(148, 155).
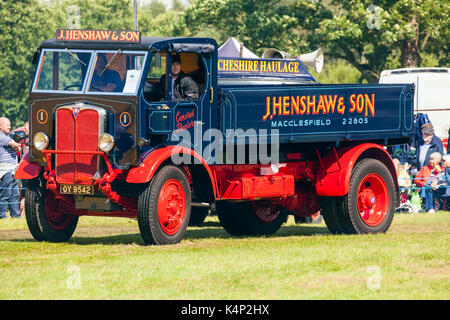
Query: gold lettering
point(370, 105)
point(330, 103)
point(61, 35)
point(276, 106)
point(311, 104)
point(352, 102)
point(360, 103)
point(286, 106)
point(291, 66)
point(295, 105)
point(303, 104)
point(321, 105)
point(267, 109)
point(341, 106)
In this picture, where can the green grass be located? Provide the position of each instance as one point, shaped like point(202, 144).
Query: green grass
point(106, 259)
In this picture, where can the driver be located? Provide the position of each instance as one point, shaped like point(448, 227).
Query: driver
point(108, 81)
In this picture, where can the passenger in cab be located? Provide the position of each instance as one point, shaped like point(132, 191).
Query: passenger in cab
point(104, 79)
point(183, 86)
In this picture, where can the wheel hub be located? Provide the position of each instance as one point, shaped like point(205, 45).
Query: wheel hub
point(373, 199)
point(171, 206)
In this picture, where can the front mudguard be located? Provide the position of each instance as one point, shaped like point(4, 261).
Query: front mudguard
point(27, 170)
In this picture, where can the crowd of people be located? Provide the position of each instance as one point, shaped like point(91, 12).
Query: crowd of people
point(426, 174)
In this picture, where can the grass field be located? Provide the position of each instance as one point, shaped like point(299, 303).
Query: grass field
point(106, 259)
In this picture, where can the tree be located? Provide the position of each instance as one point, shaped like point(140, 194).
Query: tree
point(24, 24)
point(368, 36)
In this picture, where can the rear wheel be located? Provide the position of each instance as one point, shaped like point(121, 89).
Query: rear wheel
point(164, 207)
point(253, 218)
point(44, 214)
point(369, 205)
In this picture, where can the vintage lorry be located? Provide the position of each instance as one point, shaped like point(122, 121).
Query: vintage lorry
point(262, 140)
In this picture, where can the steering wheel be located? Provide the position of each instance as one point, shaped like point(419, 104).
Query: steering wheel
point(73, 86)
point(96, 88)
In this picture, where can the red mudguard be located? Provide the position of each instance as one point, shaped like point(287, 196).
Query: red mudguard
point(335, 169)
point(148, 167)
point(27, 170)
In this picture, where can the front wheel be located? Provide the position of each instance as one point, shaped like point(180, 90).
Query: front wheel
point(45, 215)
point(164, 207)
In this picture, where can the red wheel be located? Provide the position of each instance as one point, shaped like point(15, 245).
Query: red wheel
point(57, 220)
point(45, 220)
point(164, 207)
point(373, 199)
point(369, 205)
point(171, 206)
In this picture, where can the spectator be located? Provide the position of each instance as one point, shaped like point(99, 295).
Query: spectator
point(25, 148)
point(431, 144)
point(441, 186)
point(424, 179)
point(9, 192)
point(24, 143)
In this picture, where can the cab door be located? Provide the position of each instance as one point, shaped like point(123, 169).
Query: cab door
point(180, 120)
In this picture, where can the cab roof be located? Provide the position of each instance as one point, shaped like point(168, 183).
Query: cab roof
point(199, 45)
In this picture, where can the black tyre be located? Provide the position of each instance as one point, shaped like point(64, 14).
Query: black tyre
point(369, 205)
point(256, 218)
point(198, 215)
point(164, 207)
point(45, 218)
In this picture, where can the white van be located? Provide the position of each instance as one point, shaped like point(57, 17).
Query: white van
point(432, 95)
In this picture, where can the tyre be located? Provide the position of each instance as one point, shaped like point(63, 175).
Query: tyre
point(45, 216)
point(255, 218)
point(164, 207)
point(330, 214)
point(369, 205)
point(198, 215)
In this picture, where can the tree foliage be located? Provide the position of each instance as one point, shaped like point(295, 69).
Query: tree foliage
point(370, 35)
point(23, 25)
point(360, 37)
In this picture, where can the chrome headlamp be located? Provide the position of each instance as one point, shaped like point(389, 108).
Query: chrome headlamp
point(40, 141)
point(106, 142)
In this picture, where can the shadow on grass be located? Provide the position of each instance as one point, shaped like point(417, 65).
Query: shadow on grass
point(210, 230)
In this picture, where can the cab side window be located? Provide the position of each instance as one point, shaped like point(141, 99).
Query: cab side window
point(188, 77)
point(155, 88)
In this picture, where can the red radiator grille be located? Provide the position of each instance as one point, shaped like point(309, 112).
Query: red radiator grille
point(79, 133)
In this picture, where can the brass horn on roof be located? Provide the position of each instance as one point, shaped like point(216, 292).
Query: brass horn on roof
point(313, 59)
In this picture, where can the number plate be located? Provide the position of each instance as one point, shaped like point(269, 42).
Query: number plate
point(76, 189)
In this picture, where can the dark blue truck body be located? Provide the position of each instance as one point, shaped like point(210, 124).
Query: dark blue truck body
point(321, 113)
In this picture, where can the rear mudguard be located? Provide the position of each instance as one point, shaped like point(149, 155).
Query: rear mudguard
point(335, 169)
point(27, 170)
point(154, 158)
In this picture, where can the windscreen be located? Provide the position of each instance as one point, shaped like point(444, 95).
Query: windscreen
point(116, 72)
point(62, 70)
point(71, 70)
